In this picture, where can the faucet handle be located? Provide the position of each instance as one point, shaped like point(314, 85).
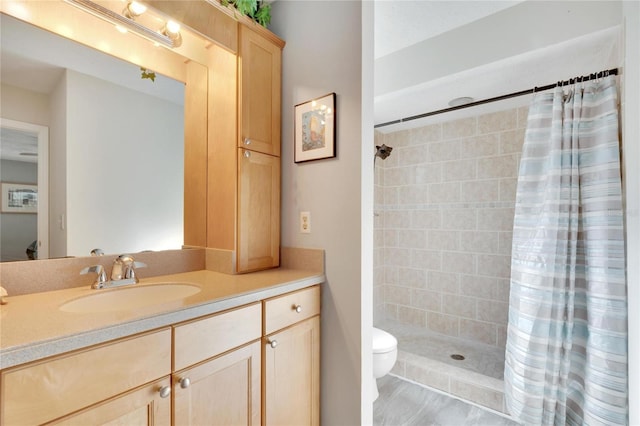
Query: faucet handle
point(101, 278)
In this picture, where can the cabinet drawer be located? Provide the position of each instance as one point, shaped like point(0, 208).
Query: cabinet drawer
point(205, 338)
point(46, 390)
point(283, 311)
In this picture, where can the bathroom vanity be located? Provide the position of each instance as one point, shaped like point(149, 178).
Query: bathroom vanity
point(244, 349)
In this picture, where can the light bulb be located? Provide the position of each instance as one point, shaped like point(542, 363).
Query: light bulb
point(134, 9)
point(173, 27)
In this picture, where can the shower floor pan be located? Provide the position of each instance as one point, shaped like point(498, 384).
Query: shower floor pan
point(425, 357)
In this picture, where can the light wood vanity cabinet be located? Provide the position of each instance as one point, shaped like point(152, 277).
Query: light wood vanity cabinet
point(259, 92)
point(255, 364)
point(258, 211)
point(291, 359)
point(48, 390)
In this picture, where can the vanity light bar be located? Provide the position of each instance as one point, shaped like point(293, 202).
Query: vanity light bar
point(117, 19)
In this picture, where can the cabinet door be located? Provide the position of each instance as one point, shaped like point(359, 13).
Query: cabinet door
point(222, 391)
point(258, 211)
point(260, 64)
point(141, 407)
point(292, 375)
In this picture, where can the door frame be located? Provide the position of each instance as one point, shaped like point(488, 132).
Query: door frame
point(42, 133)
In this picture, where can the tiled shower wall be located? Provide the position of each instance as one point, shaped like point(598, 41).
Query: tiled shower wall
point(444, 217)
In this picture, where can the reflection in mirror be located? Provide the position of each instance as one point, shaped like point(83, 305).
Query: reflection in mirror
point(116, 149)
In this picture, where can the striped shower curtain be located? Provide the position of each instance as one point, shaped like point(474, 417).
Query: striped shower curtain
point(566, 354)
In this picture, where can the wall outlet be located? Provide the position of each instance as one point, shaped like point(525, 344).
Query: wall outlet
point(305, 222)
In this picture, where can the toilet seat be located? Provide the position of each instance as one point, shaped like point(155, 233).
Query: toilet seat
point(383, 342)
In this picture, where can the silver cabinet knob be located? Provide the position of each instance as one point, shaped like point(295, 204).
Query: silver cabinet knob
point(247, 154)
point(185, 382)
point(273, 343)
point(297, 308)
point(247, 141)
point(164, 391)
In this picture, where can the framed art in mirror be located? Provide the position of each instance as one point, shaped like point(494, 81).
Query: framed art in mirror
point(19, 198)
point(315, 129)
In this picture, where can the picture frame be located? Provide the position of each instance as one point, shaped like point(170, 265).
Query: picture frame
point(19, 198)
point(315, 129)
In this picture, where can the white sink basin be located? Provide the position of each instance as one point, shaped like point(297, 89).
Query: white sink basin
point(129, 298)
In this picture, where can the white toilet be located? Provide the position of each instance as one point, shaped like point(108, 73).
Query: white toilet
point(385, 353)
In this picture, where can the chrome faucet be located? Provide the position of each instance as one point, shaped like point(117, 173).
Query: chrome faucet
point(122, 272)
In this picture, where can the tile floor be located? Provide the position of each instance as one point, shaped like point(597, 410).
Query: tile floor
point(402, 403)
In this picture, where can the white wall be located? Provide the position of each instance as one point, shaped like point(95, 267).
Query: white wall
point(24, 105)
point(125, 174)
point(324, 54)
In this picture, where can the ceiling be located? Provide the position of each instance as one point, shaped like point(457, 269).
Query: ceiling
point(430, 52)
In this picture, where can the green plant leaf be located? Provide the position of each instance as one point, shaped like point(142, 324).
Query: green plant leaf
point(263, 14)
point(146, 74)
point(246, 7)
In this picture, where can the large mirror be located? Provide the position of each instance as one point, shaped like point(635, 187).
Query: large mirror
point(115, 149)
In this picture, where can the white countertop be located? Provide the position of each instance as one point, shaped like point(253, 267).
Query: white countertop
point(33, 327)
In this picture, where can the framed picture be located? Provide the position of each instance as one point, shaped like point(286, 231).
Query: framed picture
point(19, 198)
point(315, 129)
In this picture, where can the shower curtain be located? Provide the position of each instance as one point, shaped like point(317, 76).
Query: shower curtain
point(566, 353)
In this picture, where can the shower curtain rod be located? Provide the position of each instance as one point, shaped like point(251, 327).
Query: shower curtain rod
point(613, 71)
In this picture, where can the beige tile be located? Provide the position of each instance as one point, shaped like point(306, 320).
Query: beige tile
point(478, 394)
point(444, 151)
point(412, 155)
point(425, 219)
point(398, 139)
point(459, 128)
point(523, 114)
point(397, 219)
point(477, 286)
point(397, 176)
point(459, 219)
point(412, 277)
point(397, 295)
point(498, 121)
point(378, 256)
point(378, 237)
point(412, 316)
point(425, 134)
point(391, 274)
point(502, 336)
point(443, 240)
point(428, 377)
point(463, 263)
point(391, 311)
point(378, 277)
point(496, 219)
point(505, 240)
point(503, 287)
point(480, 146)
point(483, 332)
point(390, 195)
point(511, 141)
point(492, 311)
point(508, 188)
point(397, 256)
point(441, 323)
point(412, 238)
point(390, 238)
point(426, 300)
point(413, 194)
point(427, 173)
point(378, 195)
point(444, 192)
point(399, 368)
point(444, 282)
point(458, 305)
point(491, 265)
point(458, 170)
point(426, 259)
point(483, 191)
point(502, 166)
point(479, 241)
